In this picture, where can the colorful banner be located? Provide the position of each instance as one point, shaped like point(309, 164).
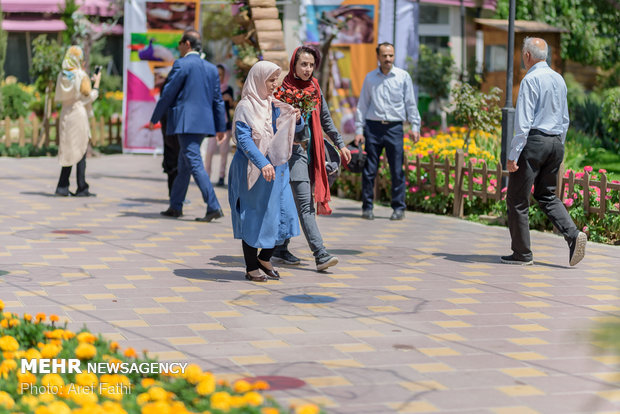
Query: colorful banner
point(354, 43)
point(152, 33)
point(405, 38)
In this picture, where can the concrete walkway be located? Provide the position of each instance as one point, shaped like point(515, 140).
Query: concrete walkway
point(418, 317)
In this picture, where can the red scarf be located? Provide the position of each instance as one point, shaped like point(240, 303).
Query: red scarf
point(318, 174)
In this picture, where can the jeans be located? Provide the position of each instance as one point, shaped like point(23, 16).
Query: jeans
point(390, 137)
point(190, 163)
point(302, 193)
point(538, 164)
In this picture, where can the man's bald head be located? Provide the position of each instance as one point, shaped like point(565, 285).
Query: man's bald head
point(536, 47)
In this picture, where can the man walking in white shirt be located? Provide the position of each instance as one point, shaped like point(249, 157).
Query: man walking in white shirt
point(536, 153)
point(386, 101)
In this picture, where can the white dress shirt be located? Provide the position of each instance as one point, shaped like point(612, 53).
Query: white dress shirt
point(541, 105)
point(388, 97)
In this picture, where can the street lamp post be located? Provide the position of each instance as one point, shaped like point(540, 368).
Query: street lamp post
point(508, 112)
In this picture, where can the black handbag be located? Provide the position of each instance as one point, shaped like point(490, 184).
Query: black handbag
point(358, 159)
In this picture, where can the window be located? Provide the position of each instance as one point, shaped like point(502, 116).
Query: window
point(495, 58)
point(436, 43)
point(430, 14)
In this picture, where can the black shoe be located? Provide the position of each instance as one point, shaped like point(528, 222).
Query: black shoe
point(324, 261)
point(367, 214)
point(285, 257)
point(220, 182)
point(85, 193)
point(398, 215)
point(62, 191)
point(514, 259)
point(211, 216)
point(271, 273)
point(172, 213)
point(577, 248)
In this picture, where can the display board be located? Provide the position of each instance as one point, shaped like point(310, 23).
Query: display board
point(152, 31)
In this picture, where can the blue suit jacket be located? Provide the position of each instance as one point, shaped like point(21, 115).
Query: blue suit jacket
point(192, 98)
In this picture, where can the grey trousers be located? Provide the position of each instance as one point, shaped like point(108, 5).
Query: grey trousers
point(538, 164)
point(302, 193)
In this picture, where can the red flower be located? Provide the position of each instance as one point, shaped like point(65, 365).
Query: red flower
point(289, 100)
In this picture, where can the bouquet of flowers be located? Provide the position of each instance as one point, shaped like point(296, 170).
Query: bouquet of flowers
point(298, 98)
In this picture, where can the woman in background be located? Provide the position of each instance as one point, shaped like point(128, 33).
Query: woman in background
point(75, 93)
point(223, 146)
point(261, 203)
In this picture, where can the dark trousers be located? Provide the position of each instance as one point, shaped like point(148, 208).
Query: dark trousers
point(171, 154)
point(251, 257)
point(378, 136)
point(538, 165)
point(65, 173)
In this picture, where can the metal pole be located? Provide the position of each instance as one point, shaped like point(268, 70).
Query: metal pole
point(508, 112)
point(463, 42)
point(394, 25)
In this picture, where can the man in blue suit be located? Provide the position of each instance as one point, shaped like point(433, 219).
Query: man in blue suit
point(194, 105)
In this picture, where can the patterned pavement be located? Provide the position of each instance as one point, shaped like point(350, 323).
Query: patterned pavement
point(418, 317)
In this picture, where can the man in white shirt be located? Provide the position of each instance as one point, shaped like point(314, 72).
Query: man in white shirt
point(386, 101)
point(536, 153)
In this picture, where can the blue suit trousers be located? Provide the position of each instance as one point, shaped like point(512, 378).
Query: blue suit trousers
point(190, 163)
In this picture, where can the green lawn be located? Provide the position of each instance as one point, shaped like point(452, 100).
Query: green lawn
point(605, 159)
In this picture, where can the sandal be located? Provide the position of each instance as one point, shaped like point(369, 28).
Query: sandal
point(260, 278)
point(271, 273)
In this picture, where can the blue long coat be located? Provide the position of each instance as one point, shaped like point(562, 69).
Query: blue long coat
point(192, 98)
point(265, 215)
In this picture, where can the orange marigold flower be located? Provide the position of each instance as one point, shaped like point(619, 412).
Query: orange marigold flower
point(130, 353)
point(27, 317)
point(54, 318)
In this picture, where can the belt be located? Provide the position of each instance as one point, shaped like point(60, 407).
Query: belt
point(539, 132)
point(384, 122)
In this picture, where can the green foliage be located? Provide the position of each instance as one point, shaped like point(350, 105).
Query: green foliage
point(28, 150)
point(14, 100)
point(476, 110)
point(47, 57)
point(68, 16)
point(433, 72)
point(611, 116)
point(217, 22)
point(592, 25)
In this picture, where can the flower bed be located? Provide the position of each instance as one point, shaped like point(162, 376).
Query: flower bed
point(482, 150)
point(192, 391)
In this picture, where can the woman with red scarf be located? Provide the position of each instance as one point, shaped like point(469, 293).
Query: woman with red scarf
point(307, 163)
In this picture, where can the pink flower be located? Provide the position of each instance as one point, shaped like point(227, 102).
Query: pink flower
point(588, 168)
point(473, 160)
point(615, 182)
point(504, 189)
point(427, 197)
point(602, 171)
point(579, 175)
point(414, 189)
point(493, 181)
point(569, 202)
point(490, 189)
point(411, 167)
point(477, 180)
point(575, 196)
point(585, 228)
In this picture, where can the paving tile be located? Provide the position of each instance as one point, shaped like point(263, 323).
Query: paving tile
point(431, 323)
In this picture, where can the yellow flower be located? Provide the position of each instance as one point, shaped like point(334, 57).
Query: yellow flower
point(111, 407)
point(307, 409)
point(147, 382)
point(130, 353)
point(242, 386)
point(83, 396)
point(159, 407)
point(220, 401)
point(32, 353)
point(40, 317)
point(6, 400)
point(13, 322)
point(142, 398)
point(86, 337)
point(269, 410)
point(253, 398)
point(56, 407)
point(26, 378)
point(85, 351)
point(30, 400)
point(260, 385)
point(193, 374)
point(87, 379)
point(54, 318)
point(113, 346)
point(52, 380)
point(206, 386)
point(27, 317)
point(7, 366)
point(157, 394)
point(1, 305)
point(50, 351)
point(9, 344)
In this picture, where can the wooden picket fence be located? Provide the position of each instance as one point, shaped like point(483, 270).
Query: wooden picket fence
point(22, 131)
point(464, 174)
